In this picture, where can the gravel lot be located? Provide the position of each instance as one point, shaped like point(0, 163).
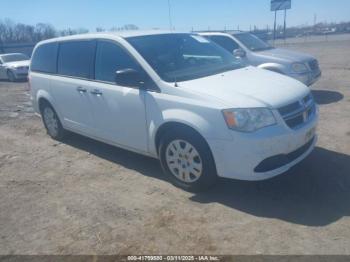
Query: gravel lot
point(85, 197)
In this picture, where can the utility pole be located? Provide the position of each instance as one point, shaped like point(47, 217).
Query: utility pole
point(315, 22)
point(170, 18)
point(285, 24)
point(315, 19)
point(274, 27)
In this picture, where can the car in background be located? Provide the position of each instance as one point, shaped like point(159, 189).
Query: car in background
point(256, 52)
point(14, 66)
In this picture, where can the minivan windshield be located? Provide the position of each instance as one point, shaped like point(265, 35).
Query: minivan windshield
point(182, 57)
point(14, 58)
point(252, 42)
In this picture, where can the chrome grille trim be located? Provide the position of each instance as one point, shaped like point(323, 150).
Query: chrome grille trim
point(298, 113)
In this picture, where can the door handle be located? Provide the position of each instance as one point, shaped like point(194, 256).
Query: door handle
point(81, 90)
point(96, 92)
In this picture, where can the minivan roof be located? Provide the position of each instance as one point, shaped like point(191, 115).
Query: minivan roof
point(122, 34)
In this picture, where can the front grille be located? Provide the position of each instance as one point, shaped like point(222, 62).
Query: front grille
point(23, 67)
point(313, 64)
point(298, 113)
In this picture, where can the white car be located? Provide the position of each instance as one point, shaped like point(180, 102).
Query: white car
point(177, 97)
point(256, 52)
point(14, 66)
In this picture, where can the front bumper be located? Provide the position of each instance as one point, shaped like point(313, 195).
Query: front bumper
point(248, 156)
point(20, 73)
point(308, 78)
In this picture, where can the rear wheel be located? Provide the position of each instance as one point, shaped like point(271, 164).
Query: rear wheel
point(186, 159)
point(11, 76)
point(51, 122)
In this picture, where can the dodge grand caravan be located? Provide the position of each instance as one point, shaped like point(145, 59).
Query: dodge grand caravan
point(177, 97)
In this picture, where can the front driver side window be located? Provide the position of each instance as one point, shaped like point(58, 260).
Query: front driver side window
point(225, 42)
point(110, 58)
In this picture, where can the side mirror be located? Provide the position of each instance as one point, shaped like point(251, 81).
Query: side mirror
point(239, 53)
point(129, 77)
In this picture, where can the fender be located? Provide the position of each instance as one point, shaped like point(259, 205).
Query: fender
point(46, 95)
point(188, 118)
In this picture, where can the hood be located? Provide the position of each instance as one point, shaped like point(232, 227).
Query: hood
point(17, 63)
point(249, 87)
point(286, 55)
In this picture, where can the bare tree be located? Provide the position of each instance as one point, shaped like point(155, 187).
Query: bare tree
point(100, 29)
point(125, 27)
point(14, 33)
point(70, 31)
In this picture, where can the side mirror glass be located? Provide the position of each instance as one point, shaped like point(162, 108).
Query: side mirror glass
point(239, 53)
point(129, 77)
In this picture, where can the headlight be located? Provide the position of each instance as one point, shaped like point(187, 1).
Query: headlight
point(299, 68)
point(249, 119)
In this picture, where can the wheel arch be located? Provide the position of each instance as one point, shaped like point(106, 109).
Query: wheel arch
point(274, 67)
point(41, 97)
point(41, 102)
point(175, 125)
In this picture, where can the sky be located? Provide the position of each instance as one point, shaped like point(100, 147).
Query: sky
point(186, 14)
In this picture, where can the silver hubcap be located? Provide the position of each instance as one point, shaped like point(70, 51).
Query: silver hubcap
point(51, 121)
point(184, 161)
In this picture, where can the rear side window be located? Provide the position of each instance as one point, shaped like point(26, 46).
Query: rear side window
point(225, 42)
point(110, 58)
point(45, 58)
point(76, 58)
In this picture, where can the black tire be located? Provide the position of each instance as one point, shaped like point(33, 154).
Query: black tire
point(11, 76)
point(59, 133)
point(208, 175)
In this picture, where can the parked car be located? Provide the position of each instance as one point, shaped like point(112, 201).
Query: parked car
point(14, 66)
point(256, 52)
point(177, 97)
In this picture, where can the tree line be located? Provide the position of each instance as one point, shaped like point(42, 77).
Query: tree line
point(18, 33)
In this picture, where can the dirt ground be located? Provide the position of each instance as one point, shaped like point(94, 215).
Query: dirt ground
point(85, 197)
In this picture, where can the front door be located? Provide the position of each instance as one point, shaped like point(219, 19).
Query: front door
point(118, 111)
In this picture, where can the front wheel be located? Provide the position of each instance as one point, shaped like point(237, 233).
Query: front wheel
point(11, 76)
point(186, 159)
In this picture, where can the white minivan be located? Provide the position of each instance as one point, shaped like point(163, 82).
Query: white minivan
point(177, 97)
